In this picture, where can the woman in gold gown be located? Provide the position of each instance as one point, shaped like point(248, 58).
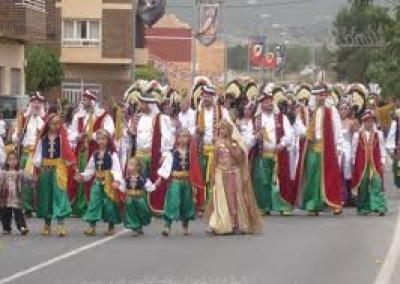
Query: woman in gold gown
point(232, 208)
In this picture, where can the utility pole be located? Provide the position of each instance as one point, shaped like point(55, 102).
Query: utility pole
point(133, 67)
point(194, 31)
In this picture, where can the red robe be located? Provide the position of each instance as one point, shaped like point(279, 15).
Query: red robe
point(72, 184)
point(285, 184)
point(331, 176)
point(302, 154)
point(367, 151)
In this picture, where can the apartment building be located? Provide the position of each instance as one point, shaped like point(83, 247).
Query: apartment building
point(96, 46)
point(21, 22)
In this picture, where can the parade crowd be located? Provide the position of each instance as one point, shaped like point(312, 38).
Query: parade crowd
point(228, 157)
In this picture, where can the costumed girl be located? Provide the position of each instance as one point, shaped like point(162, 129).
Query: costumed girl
point(136, 210)
point(232, 207)
point(104, 166)
point(182, 168)
point(53, 155)
point(369, 161)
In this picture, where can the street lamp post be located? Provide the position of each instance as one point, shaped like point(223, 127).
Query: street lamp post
point(134, 6)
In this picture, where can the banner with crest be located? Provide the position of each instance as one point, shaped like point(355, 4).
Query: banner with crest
point(257, 51)
point(209, 13)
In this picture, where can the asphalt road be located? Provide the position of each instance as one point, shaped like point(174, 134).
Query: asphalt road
point(292, 250)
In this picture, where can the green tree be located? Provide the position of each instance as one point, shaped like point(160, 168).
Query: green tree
point(43, 69)
point(386, 63)
point(359, 20)
point(148, 72)
point(238, 57)
point(296, 58)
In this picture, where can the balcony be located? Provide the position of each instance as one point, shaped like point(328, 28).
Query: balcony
point(22, 20)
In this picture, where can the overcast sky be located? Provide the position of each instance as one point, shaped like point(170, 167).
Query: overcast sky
point(309, 14)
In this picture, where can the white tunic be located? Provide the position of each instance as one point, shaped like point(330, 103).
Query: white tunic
point(209, 123)
point(2, 153)
point(108, 124)
point(188, 120)
point(391, 138)
point(246, 129)
point(115, 170)
point(268, 125)
point(346, 155)
point(34, 126)
point(337, 128)
point(299, 131)
point(145, 127)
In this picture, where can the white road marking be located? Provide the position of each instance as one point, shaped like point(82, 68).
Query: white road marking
point(386, 273)
point(61, 257)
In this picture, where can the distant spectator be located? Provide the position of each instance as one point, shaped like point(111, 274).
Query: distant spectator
point(2, 126)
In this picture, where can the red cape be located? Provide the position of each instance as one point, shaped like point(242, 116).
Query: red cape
point(366, 151)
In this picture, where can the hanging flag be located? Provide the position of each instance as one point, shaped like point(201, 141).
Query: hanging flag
point(208, 22)
point(257, 50)
point(270, 61)
point(150, 11)
point(279, 57)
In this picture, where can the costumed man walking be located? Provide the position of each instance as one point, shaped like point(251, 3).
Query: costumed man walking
point(209, 115)
point(24, 135)
point(393, 146)
point(369, 160)
point(322, 185)
point(86, 122)
point(271, 179)
point(152, 140)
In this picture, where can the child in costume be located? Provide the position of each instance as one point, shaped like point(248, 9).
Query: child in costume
point(137, 211)
point(182, 168)
point(369, 160)
point(53, 155)
point(232, 207)
point(104, 194)
point(11, 180)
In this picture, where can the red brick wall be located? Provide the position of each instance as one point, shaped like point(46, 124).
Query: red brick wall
point(177, 47)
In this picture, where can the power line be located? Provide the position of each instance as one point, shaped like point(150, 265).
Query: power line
point(249, 6)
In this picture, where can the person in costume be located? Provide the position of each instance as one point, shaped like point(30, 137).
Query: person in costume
point(104, 199)
point(393, 146)
point(24, 136)
point(271, 179)
point(181, 168)
point(136, 210)
point(53, 155)
point(11, 180)
point(187, 116)
point(245, 124)
point(369, 161)
point(86, 122)
point(152, 140)
point(322, 179)
point(349, 126)
point(209, 115)
point(232, 207)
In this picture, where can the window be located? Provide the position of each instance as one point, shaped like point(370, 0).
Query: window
point(37, 5)
point(15, 81)
point(71, 92)
point(80, 33)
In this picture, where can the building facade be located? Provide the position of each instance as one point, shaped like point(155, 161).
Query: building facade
point(21, 22)
point(96, 46)
point(170, 46)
